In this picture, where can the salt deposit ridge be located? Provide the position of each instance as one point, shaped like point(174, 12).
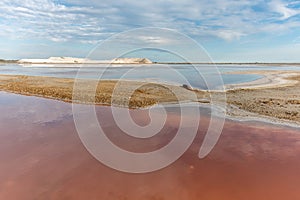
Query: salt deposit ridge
point(72, 60)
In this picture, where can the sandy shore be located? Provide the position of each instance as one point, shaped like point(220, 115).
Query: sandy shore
point(276, 96)
point(145, 94)
point(271, 79)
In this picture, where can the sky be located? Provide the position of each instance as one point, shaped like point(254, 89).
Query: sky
point(228, 30)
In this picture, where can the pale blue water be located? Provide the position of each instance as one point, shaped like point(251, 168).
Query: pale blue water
point(198, 76)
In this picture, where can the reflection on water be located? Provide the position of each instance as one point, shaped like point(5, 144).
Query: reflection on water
point(160, 73)
point(41, 157)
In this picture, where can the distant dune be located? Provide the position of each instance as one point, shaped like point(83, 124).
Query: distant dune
point(71, 60)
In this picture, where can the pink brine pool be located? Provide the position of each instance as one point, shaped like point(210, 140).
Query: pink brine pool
point(42, 157)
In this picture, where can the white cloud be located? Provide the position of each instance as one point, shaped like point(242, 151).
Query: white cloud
point(155, 39)
point(90, 21)
point(284, 10)
point(45, 19)
point(229, 35)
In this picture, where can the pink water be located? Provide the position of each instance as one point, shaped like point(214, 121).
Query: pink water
point(42, 157)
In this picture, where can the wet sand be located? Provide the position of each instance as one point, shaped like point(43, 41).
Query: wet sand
point(143, 94)
point(271, 79)
point(275, 97)
point(43, 158)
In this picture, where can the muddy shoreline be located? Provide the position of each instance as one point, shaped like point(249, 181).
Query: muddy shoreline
point(275, 97)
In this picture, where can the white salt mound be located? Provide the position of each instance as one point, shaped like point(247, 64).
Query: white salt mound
point(71, 60)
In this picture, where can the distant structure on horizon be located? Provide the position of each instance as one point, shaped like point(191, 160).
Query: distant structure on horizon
point(131, 60)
